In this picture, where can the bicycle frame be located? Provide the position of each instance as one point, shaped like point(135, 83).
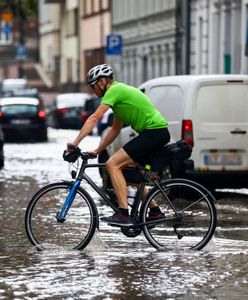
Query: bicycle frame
point(135, 208)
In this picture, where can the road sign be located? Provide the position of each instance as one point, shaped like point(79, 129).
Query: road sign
point(21, 52)
point(6, 28)
point(114, 44)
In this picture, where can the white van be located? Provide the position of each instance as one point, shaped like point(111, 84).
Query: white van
point(211, 113)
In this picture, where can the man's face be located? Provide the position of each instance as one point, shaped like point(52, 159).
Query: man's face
point(96, 86)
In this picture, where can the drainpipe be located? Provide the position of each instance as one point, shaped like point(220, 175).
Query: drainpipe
point(183, 37)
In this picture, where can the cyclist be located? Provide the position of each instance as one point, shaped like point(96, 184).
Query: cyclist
point(132, 107)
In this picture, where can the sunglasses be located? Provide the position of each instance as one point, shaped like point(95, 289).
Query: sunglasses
point(92, 84)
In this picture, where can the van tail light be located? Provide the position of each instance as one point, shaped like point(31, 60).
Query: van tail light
point(187, 132)
point(84, 116)
point(41, 114)
point(1, 115)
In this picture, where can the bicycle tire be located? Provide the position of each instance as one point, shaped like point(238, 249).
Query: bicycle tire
point(75, 232)
point(195, 206)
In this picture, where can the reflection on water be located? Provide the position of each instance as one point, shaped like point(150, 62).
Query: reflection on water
point(128, 272)
point(113, 266)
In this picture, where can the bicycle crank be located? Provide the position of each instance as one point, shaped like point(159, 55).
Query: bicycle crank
point(131, 232)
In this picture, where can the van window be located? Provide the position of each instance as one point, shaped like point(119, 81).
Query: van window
point(168, 100)
point(223, 104)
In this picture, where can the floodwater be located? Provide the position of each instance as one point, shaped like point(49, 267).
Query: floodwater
point(112, 266)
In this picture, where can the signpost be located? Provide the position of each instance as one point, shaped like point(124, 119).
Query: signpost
point(114, 44)
point(21, 52)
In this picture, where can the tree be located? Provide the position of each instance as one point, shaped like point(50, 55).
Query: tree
point(22, 8)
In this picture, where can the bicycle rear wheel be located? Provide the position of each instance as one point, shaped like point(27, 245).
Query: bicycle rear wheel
point(41, 224)
point(190, 215)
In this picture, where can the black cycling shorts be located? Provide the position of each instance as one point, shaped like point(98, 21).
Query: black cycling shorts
point(147, 143)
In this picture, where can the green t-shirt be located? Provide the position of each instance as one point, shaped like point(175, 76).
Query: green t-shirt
point(132, 107)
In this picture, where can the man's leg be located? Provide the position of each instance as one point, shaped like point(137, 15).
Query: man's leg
point(114, 167)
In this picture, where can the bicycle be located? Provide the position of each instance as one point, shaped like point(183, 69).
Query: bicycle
point(65, 214)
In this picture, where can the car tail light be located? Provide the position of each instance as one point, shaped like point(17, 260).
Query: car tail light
point(61, 111)
point(187, 132)
point(41, 114)
point(1, 115)
point(84, 116)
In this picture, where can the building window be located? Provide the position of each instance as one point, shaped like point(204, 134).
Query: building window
point(93, 57)
point(69, 70)
point(72, 22)
point(200, 38)
point(92, 7)
point(227, 41)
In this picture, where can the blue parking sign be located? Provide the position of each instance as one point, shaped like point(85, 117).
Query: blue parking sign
point(114, 44)
point(21, 52)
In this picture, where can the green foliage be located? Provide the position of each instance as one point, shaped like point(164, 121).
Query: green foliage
point(23, 8)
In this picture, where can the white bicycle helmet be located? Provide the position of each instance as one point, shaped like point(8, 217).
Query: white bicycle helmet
point(96, 72)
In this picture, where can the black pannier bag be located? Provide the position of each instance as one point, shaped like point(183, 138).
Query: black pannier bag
point(178, 151)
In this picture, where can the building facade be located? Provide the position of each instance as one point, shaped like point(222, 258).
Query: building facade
point(217, 39)
point(148, 30)
point(160, 38)
point(95, 25)
point(50, 40)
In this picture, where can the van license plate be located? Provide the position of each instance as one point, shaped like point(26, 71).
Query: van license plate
point(220, 159)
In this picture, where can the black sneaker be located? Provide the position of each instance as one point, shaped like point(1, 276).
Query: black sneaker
point(153, 216)
point(118, 219)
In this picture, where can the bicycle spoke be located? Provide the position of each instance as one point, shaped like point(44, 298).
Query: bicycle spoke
point(194, 216)
point(41, 219)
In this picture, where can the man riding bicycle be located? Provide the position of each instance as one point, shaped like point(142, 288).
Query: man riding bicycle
point(132, 107)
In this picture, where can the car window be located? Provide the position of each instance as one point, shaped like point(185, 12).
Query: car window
point(70, 102)
point(19, 109)
point(223, 103)
point(168, 100)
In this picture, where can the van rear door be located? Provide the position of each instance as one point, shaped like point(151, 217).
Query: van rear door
point(220, 126)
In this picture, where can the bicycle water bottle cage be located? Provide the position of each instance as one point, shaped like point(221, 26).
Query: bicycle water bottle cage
point(71, 156)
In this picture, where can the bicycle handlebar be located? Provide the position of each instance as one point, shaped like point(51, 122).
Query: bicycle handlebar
point(86, 155)
point(72, 156)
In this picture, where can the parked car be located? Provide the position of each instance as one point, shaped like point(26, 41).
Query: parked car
point(13, 84)
point(210, 112)
point(71, 110)
point(1, 148)
point(23, 118)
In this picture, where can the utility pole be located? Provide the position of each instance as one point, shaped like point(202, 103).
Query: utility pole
point(21, 49)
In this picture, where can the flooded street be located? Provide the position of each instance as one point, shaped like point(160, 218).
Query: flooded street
point(112, 266)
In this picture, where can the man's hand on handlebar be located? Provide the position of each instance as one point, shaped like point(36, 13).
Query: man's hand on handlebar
point(71, 146)
point(93, 153)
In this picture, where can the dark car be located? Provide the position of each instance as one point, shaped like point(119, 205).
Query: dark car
point(23, 118)
point(71, 110)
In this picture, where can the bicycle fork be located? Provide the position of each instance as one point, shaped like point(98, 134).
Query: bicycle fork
point(61, 215)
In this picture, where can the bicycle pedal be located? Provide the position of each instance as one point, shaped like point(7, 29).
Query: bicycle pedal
point(120, 225)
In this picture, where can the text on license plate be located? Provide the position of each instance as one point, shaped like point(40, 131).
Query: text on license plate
point(20, 121)
point(223, 158)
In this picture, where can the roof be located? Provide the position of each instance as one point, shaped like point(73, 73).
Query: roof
point(19, 100)
point(190, 79)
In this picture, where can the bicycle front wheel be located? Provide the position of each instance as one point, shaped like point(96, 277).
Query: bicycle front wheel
point(190, 215)
point(42, 227)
